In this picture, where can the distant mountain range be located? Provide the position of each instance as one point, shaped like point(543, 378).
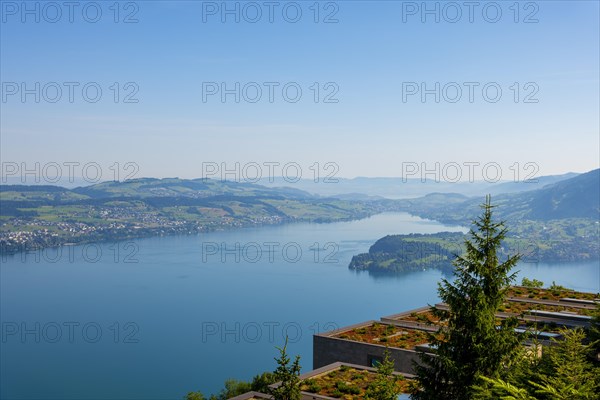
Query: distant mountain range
point(192, 188)
point(576, 197)
point(566, 209)
point(399, 188)
point(559, 222)
point(359, 188)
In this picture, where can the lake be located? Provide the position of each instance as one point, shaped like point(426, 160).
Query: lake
point(156, 318)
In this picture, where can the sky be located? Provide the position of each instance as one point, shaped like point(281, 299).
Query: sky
point(350, 88)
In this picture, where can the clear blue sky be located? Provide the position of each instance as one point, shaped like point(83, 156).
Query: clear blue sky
point(368, 54)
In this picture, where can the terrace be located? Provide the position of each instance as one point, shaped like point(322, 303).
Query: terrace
point(338, 381)
point(421, 318)
point(424, 318)
point(346, 381)
point(388, 335)
point(550, 313)
point(516, 292)
point(365, 344)
point(541, 312)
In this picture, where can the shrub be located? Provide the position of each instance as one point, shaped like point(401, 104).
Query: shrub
point(313, 386)
point(344, 388)
point(554, 286)
point(532, 283)
point(357, 376)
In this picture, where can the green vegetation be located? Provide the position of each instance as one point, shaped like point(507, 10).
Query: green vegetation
point(555, 223)
point(554, 292)
point(392, 336)
point(287, 374)
point(35, 217)
point(574, 199)
point(479, 358)
point(472, 344)
point(559, 222)
point(398, 253)
point(532, 283)
point(234, 388)
point(349, 383)
point(595, 331)
point(563, 373)
point(385, 386)
point(551, 241)
point(195, 396)
point(476, 355)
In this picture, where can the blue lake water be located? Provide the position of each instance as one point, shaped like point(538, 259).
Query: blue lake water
point(156, 318)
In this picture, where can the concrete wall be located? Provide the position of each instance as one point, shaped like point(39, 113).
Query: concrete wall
point(327, 350)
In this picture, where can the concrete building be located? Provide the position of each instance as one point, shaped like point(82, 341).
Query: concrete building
point(541, 312)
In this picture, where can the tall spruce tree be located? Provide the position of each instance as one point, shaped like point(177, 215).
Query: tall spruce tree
point(287, 373)
point(385, 386)
point(473, 343)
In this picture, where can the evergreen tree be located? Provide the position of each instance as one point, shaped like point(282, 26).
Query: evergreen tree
point(260, 383)
point(493, 389)
point(595, 332)
point(233, 388)
point(195, 396)
point(288, 375)
point(385, 385)
point(472, 344)
point(563, 374)
point(572, 376)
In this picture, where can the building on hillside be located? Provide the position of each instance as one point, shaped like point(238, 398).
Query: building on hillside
point(542, 312)
point(344, 359)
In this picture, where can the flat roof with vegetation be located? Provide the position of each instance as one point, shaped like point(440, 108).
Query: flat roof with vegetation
point(386, 335)
point(346, 381)
point(550, 294)
point(520, 302)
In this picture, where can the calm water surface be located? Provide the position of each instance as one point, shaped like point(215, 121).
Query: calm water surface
point(156, 318)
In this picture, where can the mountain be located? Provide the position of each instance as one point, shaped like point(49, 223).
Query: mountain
point(401, 188)
point(566, 211)
point(175, 187)
point(576, 197)
point(559, 222)
point(33, 217)
point(528, 185)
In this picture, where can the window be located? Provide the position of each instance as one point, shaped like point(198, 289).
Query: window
point(374, 361)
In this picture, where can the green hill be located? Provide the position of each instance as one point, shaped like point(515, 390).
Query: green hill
point(577, 197)
point(559, 222)
point(41, 216)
